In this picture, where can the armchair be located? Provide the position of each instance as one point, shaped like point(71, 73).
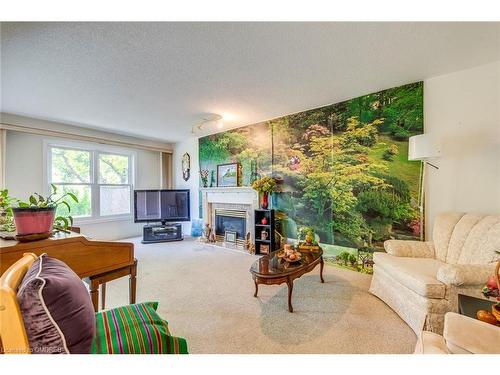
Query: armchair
point(421, 280)
point(462, 335)
point(130, 323)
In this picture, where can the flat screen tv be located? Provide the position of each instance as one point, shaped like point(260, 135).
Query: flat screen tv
point(161, 206)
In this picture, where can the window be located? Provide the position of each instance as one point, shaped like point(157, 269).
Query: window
point(102, 179)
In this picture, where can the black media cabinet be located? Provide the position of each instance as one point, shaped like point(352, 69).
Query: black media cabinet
point(153, 233)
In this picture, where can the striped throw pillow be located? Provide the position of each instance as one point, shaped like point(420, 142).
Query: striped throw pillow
point(135, 329)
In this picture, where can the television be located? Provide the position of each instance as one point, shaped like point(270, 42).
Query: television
point(161, 206)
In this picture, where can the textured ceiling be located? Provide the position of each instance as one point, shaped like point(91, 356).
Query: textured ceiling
point(159, 79)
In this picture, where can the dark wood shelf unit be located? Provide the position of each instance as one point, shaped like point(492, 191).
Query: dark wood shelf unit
point(270, 227)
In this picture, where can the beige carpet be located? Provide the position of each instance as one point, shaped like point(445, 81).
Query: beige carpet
point(206, 294)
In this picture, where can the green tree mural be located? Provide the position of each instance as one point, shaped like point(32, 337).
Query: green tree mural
point(343, 168)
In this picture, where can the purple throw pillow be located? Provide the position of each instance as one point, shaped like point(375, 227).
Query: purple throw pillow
point(56, 307)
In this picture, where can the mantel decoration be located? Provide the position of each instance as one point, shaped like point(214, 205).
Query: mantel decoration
point(186, 166)
point(228, 175)
point(36, 218)
point(265, 186)
point(204, 178)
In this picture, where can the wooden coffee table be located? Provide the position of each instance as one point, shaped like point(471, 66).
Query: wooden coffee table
point(271, 270)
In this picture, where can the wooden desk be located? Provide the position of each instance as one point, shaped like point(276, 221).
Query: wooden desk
point(100, 261)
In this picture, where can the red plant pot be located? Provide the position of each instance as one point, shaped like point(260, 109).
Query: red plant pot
point(34, 220)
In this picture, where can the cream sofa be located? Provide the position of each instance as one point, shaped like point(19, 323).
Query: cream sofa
point(462, 335)
point(421, 280)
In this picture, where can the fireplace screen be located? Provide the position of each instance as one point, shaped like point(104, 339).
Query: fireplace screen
point(231, 220)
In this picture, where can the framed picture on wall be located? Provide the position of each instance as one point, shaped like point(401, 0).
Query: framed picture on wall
point(230, 236)
point(228, 175)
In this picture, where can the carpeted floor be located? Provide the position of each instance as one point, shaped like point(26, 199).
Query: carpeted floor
point(206, 294)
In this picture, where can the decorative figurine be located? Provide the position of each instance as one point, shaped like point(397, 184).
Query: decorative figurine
point(212, 178)
point(307, 241)
point(206, 232)
point(252, 249)
point(310, 237)
point(248, 244)
point(212, 238)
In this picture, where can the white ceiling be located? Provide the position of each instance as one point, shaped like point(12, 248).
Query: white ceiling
point(158, 79)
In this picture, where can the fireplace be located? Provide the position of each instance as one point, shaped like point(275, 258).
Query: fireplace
point(236, 205)
point(230, 220)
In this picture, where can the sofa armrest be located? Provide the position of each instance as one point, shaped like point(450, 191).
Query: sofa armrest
point(413, 249)
point(468, 335)
point(431, 343)
point(465, 274)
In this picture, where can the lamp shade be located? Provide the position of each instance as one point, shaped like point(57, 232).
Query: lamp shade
point(422, 147)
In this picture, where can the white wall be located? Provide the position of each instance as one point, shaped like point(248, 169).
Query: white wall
point(24, 175)
point(462, 112)
point(191, 147)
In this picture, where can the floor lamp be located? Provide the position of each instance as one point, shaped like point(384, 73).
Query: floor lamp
point(423, 147)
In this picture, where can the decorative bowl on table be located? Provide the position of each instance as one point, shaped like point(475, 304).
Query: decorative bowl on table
point(293, 258)
point(495, 310)
point(290, 256)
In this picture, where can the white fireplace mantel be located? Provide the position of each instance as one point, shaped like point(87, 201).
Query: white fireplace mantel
point(233, 195)
point(241, 198)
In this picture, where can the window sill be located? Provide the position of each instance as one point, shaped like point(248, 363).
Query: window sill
point(86, 221)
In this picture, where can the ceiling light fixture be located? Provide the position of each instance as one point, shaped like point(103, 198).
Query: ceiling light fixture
point(210, 120)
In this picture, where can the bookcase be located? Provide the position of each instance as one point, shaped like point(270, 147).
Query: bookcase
point(264, 244)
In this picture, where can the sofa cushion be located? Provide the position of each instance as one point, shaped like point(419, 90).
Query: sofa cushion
point(57, 310)
point(417, 274)
point(444, 224)
point(135, 329)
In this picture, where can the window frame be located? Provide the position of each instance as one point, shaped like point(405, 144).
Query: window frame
point(95, 151)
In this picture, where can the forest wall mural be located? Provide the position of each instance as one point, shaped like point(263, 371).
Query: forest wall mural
point(343, 168)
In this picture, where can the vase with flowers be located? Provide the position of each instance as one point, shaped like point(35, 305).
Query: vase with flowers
point(265, 186)
point(204, 177)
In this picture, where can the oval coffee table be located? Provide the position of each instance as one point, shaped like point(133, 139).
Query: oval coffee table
point(271, 270)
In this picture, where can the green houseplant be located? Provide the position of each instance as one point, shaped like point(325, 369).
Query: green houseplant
point(38, 214)
point(6, 218)
point(306, 235)
point(265, 186)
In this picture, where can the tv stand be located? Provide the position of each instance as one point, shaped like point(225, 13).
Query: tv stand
point(154, 233)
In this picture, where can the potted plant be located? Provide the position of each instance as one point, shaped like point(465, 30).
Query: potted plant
point(307, 236)
point(204, 177)
point(38, 215)
point(265, 186)
point(6, 221)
